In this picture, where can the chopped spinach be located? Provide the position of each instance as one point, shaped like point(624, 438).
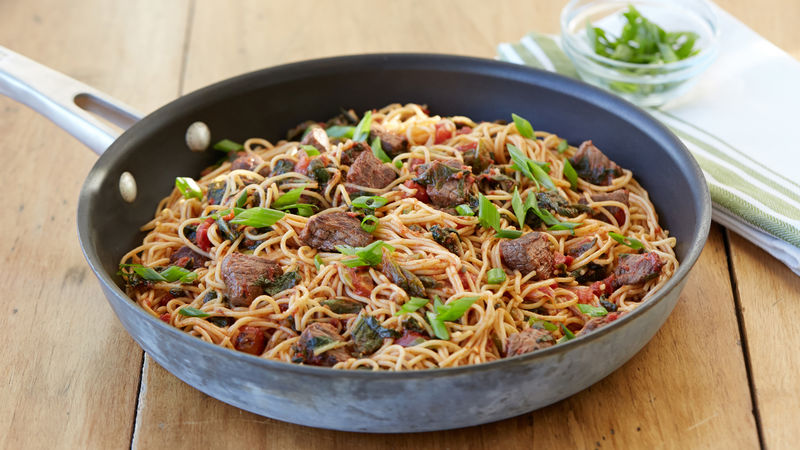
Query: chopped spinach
point(342, 305)
point(216, 190)
point(447, 238)
point(279, 284)
point(404, 278)
point(368, 335)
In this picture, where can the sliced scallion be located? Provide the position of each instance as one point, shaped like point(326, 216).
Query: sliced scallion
point(188, 187)
point(464, 210)
point(361, 132)
point(591, 310)
point(340, 132)
point(190, 311)
point(570, 174)
point(487, 213)
point(258, 217)
point(562, 146)
point(508, 234)
point(227, 145)
point(293, 196)
point(630, 242)
point(369, 224)
point(368, 202)
point(310, 150)
point(377, 150)
point(523, 126)
point(496, 276)
point(413, 304)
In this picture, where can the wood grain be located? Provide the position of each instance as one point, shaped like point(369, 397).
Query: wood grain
point(769, 296)
point(70, 371)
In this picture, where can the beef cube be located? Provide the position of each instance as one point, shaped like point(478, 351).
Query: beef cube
point(391, 143)
point(318, 138)
point(244, 276)
point(447, 182)
point(319, 335)
point(325, 231)
point(187, 258)
point(246, 162)
point(620, 195)
point(250, 340)
point(527, 341)
point(352, 150)
point(635, 269)
point(593, 166)
point(598, 322)
point(369, 171)
point(529, 253)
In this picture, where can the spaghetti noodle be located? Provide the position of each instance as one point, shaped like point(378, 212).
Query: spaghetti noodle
point(519, 261)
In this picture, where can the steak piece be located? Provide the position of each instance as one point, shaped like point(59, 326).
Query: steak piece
point(317, 336)
point(369, 171)
point(598, 322)
point(527, 341)
point(325, 231)
point(392, 144)
point(447, 182)
point(250, 340)
point(318, 138)
point(246, 162)
point(593, 166)
point(187, 258)
point(620, 195)
point(244, 275)
point(529, 253)
point(635, 269)
point(351, 150)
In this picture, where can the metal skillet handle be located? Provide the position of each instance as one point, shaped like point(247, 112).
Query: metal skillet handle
point(69, 103)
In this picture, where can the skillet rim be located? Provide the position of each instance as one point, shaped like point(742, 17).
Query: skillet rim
point(609, 103)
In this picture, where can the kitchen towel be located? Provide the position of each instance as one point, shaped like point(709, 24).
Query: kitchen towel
point(740, 122)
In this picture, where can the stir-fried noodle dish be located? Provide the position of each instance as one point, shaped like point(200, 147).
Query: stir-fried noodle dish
point(396, 239)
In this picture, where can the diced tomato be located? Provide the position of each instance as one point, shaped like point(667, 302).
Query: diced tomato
point(584, 294)
point(605, 286)
point(202, 235)
point(465, 130)
point(361, 285)
point(467, 146)
point(250, 340)
point(442, 133)
point(421, 194)
point(302, 162)
point(560, 258)
point(410, 338)
point(413, 163)
point(166, 317)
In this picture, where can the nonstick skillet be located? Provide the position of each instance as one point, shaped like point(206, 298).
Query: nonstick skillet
point(266, 103)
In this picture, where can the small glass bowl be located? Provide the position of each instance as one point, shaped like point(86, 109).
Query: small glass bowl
point(643, 84)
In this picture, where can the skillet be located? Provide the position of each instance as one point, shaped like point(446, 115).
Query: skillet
point(266, 103)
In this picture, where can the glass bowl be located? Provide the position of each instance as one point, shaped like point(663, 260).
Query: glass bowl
point(643, 84)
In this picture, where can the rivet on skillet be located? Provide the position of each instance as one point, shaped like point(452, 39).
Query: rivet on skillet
point(198, 137)
point(127, 187)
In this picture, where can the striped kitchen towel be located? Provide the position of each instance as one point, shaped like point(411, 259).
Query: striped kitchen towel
point(739, 121)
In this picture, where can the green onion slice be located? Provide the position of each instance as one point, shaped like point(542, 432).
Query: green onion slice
point(377, 150)
point(487, 213)
point(413, 304)
point(520, 160)
point(630, 242)
point(570, 174)
point(539, 323)
point(520, 210)
point(496, 276)
point(369, 223)
point(370, 255)
point(227, 145)
point(258, 217)
point(291, 197)
point(368, 202)
point(340, 132)
point(568, 335)
point(455, 309)
point(188, 187)
point(189, 311)
point(594, 311)
point(562, 146)
point(464, 210)
point(318, 262)
point(523, 126)
point(508, 234)
point(310, 150)
point(361, 132)
point(242, 200)
point(439, 328)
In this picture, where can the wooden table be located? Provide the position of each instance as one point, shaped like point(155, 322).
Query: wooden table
point(722, 373)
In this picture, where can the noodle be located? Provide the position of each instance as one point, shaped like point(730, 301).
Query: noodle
point(481, 334)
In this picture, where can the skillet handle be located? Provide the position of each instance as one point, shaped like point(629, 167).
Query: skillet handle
point(63, 100)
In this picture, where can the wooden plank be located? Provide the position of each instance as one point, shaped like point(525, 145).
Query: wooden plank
point(674, 391)
point(769, 296)
point(70, 370)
